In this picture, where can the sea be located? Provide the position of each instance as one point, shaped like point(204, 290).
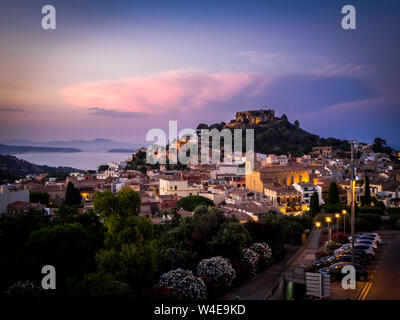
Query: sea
point(78, 160)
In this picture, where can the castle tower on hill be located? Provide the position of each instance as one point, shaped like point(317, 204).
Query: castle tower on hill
point(256, 116)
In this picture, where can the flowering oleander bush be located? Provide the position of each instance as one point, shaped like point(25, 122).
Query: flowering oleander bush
point(217, 271)
point(262, 249)
point(264, 252)
point(25, 288)
point(191, 287)
point(250, 258)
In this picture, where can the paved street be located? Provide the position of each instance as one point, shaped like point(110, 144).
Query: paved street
point(383, 274)
point(385, 281)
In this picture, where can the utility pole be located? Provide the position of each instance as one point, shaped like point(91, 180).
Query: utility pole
point(352, 201)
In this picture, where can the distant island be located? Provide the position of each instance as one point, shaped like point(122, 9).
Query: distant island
point(95, 145)
point(6, 149)
point(121, 151)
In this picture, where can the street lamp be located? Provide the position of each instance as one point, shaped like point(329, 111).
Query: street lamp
point(318, 224)
point(329, 220)
point(353, 144)
point(344, 212)
point(337, 216)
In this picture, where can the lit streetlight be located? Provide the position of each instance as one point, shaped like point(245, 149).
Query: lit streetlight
point(337, 216)
point(329, 220)
point(318, 224)
point(344, 212)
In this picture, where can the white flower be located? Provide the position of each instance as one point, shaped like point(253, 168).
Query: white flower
point(262, 249)
point(218, 270)
point(184, 281)
point(250, 259)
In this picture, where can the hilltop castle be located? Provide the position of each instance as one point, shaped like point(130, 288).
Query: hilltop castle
point(253, 117)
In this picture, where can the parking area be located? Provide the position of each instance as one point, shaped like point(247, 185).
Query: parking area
point(383, 273)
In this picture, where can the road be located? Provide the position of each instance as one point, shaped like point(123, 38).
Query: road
point(384, 282)
point(256, 288)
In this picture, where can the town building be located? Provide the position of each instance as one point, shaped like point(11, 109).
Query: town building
point(179, 188)
point(307, 190)
point(10, 195)
point(267, 177)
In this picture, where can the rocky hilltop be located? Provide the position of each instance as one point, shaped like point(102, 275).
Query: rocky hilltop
point(277, 135)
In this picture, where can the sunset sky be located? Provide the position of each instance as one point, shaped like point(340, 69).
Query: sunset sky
point(115, 69)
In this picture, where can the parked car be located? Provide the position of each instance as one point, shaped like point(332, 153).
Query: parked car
point(321, 263)
point(360, 253)
point(371, 243)
point(360, 246)
point(370, 236)
point(361, 256)
point(335, 271)
point(347, 258)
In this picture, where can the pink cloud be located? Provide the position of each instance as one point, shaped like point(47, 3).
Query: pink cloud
point(166, 91)
point(331, 69)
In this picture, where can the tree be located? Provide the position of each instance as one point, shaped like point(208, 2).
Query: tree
point(314, 204)
point(230, 240)
point(70, 248)
point(202, 126)
point(133, 263)
point(14, 232)
point(333, 193)
point(128, 202)
point(39, 196)
point(297, 124)
point(380, 146)
point(72, 195)
point(103, 167)
point(125, 203)
point(104, 204)
point(284, 117)
point(367, 194)
point(191, 202)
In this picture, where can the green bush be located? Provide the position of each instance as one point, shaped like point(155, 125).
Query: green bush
point(331, 246)
point(191, 202)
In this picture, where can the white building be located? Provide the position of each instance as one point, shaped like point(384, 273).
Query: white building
point(215, 197)
point(9, 196)
point(307, 190)
point(223, 169)
point(274, 159)
point(180, 188)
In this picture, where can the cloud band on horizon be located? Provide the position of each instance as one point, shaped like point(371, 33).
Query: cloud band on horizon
point(163, 92)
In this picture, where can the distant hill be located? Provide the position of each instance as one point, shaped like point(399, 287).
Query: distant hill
point(6, 149)
point(96, 145)
point(276, 135)
point(12, 168)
